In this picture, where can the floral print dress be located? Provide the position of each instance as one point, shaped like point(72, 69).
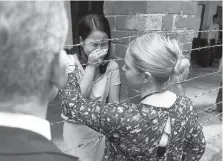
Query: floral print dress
point(133, 132)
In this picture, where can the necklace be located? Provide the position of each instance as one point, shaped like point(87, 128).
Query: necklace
point(150, 94)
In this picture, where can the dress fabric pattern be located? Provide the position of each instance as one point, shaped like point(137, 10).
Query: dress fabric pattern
point(133, 132)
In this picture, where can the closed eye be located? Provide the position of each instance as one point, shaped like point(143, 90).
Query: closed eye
point(95, 44)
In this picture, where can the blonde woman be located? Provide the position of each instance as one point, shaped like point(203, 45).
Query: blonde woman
point(163, 126)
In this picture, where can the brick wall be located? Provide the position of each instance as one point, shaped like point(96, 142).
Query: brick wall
point(128, 18)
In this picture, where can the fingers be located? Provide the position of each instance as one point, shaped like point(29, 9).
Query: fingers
point(96, 57)
point(102, 53)
point(94, 52)
point(99, 52)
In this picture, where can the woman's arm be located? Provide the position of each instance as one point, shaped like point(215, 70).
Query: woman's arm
point(88, 77)
point(87, 80)
point(109, 119)
point(114, 89)
point(94, 60)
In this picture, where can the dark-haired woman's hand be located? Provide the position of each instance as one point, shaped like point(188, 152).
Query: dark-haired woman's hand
point(95, 58)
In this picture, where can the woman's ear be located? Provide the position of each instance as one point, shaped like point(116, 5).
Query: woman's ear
point(147, 77)
point(58, 69)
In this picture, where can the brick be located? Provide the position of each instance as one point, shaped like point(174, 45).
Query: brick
point(117, 34)
point(120, 50)
point(167, 22)
point(120, 7)
point(108, 8)
point(157, 7)
point(190, 22)
point(174, 7)
point(137, 7)
point(120, 22)
point(197, 23)
point(199, 11)
point(183, 38)
point(172, 35)
point(111, 20)
point(189, 8)
point(180, 21)
point(116, 7)
point(120, 63)
point(187, 47)
point(132, 33)
point(144, 22)
point(131, 23)
point(197, 26)
point(112, 50)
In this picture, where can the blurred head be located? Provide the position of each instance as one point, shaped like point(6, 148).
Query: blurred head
point(32, 60)
point(154, 59)
point(216, 18)
point(94, 27)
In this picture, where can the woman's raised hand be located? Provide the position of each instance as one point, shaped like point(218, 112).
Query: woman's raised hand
point(95, 57)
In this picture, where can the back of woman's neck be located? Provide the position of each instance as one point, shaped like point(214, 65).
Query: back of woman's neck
point(164, 99)
point(149, 90)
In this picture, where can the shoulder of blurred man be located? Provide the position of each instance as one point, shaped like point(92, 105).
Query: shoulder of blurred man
point(22, 145)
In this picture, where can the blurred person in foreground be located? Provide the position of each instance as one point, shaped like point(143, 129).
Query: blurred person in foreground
point(33, 69)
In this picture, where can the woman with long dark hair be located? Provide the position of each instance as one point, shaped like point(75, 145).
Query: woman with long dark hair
point(98, 81)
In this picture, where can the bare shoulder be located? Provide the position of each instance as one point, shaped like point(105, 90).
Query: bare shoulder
point(71, 62)
point(72, 59)
point(112, 65)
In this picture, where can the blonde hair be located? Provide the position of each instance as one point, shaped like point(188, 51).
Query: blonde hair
point(159, 55)
point(32, 34)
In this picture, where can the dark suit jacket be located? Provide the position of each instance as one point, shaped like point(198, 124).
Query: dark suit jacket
point(22, 145)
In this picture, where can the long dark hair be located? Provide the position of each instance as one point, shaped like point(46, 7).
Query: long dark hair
point(86, 25)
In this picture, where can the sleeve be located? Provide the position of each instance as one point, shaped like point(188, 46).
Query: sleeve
point(195, 141)
point(109, 119)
